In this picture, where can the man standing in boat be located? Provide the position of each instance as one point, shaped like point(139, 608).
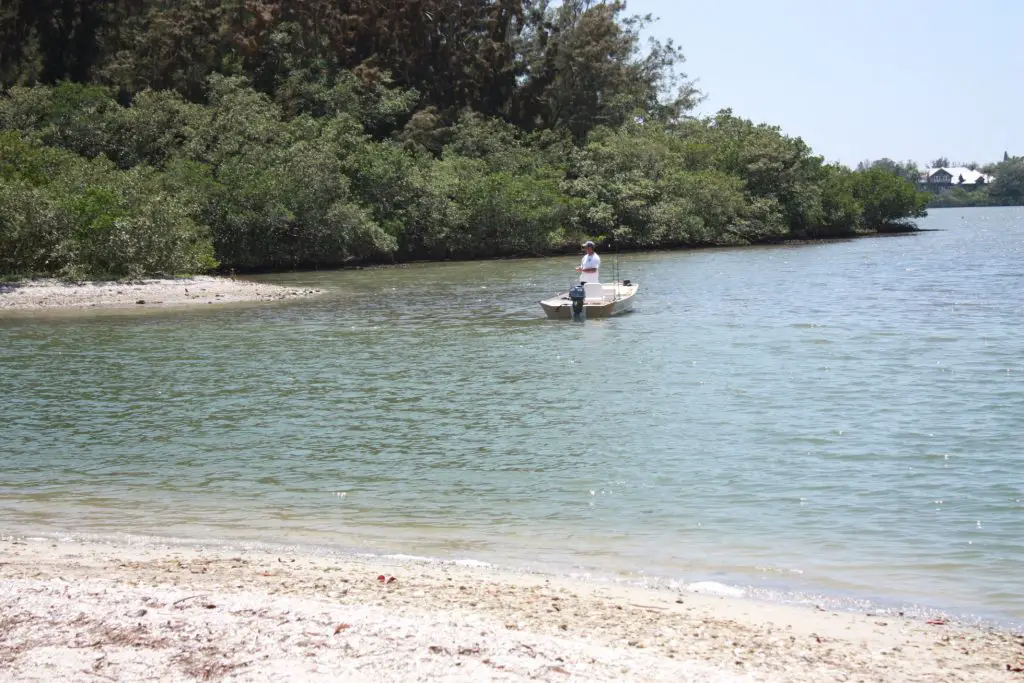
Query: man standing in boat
point(590, 264)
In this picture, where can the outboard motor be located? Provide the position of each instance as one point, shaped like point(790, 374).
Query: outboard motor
point(577, 293)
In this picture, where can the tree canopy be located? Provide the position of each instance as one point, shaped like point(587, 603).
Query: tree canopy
point(1009, 183)
point(142, 137)
point(573, 66)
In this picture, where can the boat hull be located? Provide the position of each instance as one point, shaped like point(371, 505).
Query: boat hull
point(618, 299)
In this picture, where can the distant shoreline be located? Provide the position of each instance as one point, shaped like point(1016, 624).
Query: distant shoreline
point(939, 203)
point(46, 294)
point(605, 249)
point(130, 611)
point(52, 294)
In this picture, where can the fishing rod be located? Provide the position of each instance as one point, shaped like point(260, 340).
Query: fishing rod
point(615, 266)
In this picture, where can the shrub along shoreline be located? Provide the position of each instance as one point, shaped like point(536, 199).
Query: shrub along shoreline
point(93, 189)
point(152, 138)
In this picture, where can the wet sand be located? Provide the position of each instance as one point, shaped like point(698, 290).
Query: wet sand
point(200, 290)
point(77, 611)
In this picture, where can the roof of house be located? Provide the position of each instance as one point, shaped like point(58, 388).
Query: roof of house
point(969, 177)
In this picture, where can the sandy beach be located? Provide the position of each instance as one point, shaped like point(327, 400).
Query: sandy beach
point(84, 611)
point(191, 291)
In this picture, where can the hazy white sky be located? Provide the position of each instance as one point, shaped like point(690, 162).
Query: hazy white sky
point(861, 79)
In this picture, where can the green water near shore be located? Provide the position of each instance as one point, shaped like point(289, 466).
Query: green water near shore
point(842, 417)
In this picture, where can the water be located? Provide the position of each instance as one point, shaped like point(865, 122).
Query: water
point(842, 419)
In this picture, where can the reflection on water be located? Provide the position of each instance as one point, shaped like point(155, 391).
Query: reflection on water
point(839, 417)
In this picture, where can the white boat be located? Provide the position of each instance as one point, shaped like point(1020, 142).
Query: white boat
point(600, 300)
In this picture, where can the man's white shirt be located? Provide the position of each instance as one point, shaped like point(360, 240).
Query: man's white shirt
point(590, 261)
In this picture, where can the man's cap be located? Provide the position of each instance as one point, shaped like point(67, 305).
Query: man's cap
point(588, 243)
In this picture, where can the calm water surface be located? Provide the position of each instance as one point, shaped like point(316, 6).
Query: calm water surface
point(844, 418)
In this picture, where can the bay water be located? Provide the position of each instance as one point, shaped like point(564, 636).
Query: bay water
point(840, 421)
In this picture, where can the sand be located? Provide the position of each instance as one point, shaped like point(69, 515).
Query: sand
point(89, 611)
point(200, 290)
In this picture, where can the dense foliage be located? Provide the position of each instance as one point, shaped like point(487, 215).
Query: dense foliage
point(1008, 187)
point(141, 137)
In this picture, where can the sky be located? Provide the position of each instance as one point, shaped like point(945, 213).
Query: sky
point(860, 79)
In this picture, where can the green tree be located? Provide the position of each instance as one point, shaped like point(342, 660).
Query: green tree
point(907, 170)
point(315, 133)
point(841, 211)
point(1009, 183)
point(66, 215)
point(582, 67)
point(772, 166)
point(888, 200)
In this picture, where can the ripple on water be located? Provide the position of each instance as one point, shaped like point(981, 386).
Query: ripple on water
point(838, 419)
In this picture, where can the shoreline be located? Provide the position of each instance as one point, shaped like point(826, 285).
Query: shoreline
point(51, 294)
point(752, 585)
point(78, 610)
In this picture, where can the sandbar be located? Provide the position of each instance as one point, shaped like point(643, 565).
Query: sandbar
point(190, 291)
